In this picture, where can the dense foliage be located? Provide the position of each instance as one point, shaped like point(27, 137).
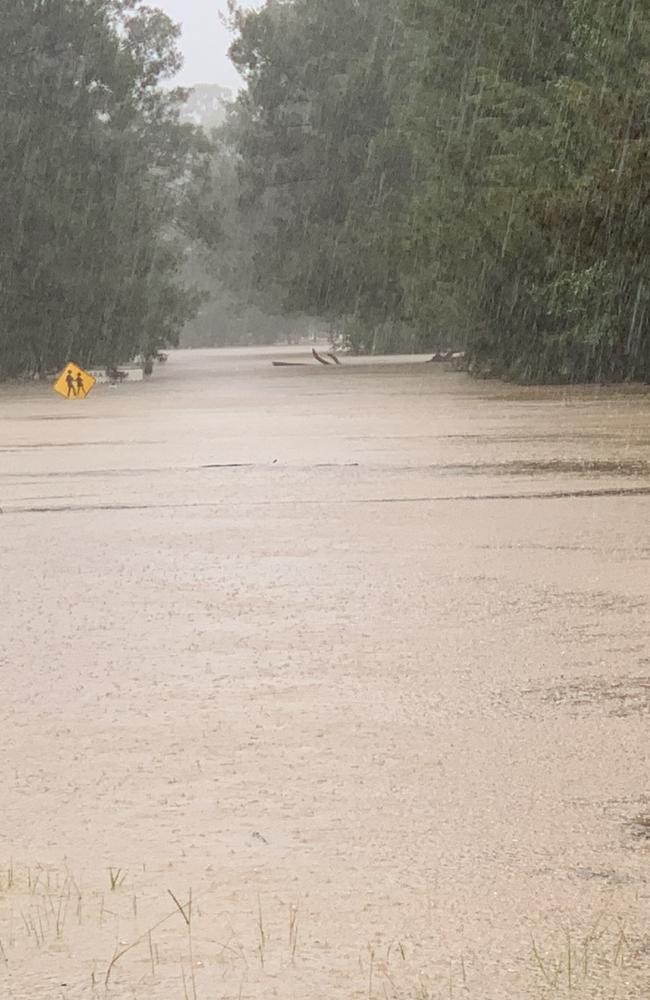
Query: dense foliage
point(434, 172)
point(93, 168)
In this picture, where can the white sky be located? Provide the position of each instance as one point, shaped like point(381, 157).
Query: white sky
point(205, 41)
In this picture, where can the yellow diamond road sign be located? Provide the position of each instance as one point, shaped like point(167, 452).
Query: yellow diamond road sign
point(74, 382)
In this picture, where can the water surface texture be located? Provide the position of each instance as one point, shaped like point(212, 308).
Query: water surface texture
point(357, 658)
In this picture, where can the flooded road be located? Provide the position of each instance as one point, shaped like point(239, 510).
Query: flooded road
point(357, 658)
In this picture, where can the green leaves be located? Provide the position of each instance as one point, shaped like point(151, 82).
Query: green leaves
point(451, 173)
point(92, 169)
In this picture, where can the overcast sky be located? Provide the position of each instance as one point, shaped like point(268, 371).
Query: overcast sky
point(205, 41)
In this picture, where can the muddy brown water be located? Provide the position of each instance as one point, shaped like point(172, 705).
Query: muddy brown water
point(357, 657)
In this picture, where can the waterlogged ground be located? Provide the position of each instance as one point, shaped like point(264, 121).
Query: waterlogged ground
point(356, 658)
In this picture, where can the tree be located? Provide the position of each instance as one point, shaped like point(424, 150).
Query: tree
point(431, 171)
point(93, 169)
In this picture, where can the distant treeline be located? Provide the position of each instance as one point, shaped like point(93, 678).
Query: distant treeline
point(415, 174)
point(94, 170)
point(427, 173)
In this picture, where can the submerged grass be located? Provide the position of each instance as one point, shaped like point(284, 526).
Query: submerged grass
point(182, 948)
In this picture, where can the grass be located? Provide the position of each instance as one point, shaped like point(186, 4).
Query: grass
point(116, 878)
point(293, 931)
point(124, 950)
point(143, 947)
point(261, 947)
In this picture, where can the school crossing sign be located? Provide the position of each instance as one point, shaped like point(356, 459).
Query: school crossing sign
point(74, 382)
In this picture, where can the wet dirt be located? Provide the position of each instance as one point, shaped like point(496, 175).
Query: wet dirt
point(356, 657)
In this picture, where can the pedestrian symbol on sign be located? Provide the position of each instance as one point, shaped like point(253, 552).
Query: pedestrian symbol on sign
point(74, 382)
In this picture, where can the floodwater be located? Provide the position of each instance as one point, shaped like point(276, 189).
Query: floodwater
point(357, 658)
